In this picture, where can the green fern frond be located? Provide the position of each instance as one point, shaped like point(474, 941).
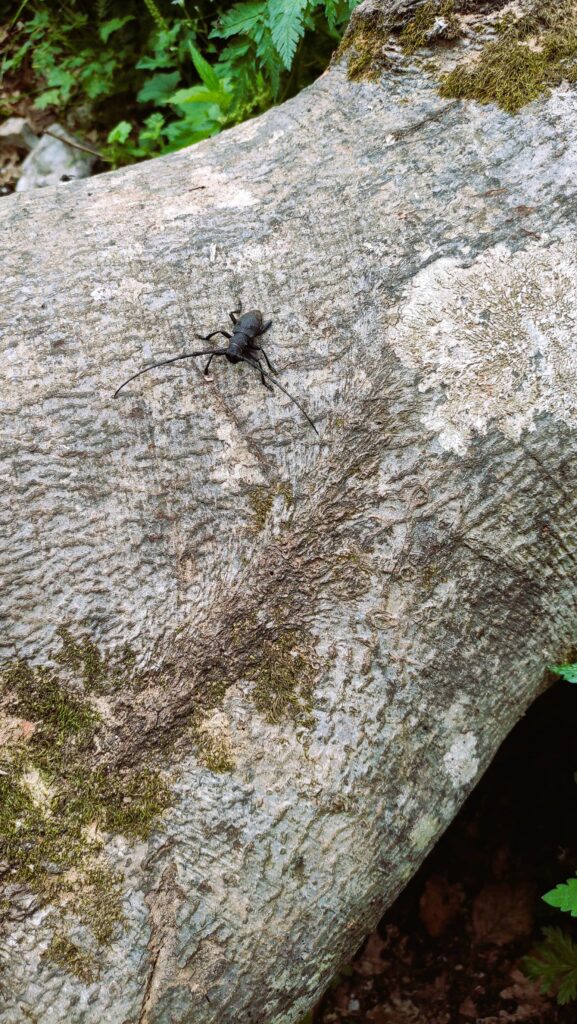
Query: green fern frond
point(338, 12)
point(205, 72)
point(242, 19)
point(102, 9)
point(287, 26)
point(156, 15)
point(553, 964)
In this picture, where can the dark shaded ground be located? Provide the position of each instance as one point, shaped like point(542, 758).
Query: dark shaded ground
point(449, 950)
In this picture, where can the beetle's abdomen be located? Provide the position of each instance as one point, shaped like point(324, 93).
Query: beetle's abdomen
point(249, 323)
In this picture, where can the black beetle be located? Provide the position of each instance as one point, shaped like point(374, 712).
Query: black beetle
point(242, 347)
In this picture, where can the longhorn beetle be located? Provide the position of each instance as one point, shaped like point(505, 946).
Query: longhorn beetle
point(242, 347)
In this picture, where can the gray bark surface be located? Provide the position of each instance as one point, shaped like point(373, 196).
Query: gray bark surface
point(419, 261)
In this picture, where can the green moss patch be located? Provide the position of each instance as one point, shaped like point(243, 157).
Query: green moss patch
point(67, 955)
point(71, 957)
point(282, 666)
point(98, 674)
point(418, 31)
point(283, 670)
point(367, 62)
point(213, 748)
point(55, 809)
point(433, 22)
point(532, 54)
point(62, 719)
point(363, 43)
point(98, 901)
point(261, 499)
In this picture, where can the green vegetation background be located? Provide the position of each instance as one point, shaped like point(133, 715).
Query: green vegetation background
point(152, 76)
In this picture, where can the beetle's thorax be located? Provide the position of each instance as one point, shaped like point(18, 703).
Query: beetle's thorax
point(237, 346)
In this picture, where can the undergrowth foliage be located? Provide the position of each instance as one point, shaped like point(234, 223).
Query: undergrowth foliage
point(553, 962)
point(152, 76)
point(554, 965)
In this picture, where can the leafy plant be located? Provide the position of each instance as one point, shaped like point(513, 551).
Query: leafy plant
point(568, 672)
point(554, 961)
point(553, 964)
point(152, 77)
point(564, 897)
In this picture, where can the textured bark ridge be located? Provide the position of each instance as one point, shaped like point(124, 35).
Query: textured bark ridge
point(330, 636)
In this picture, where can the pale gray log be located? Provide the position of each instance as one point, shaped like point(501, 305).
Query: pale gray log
point(418, 258)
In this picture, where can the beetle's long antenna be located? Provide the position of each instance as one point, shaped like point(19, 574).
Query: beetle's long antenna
point(279, 385)
point(165, 362)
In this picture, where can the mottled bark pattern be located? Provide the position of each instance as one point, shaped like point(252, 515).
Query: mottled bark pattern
point(417, 257)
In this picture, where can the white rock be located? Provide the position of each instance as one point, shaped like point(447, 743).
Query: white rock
point(16, 132)
point(54, 160)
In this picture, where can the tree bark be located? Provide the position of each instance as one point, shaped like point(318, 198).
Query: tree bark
point(353, 621)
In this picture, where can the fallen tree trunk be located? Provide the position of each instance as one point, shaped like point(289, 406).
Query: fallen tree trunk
point(252, 673)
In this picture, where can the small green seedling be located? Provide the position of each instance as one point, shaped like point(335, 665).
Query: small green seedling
point(567, 672)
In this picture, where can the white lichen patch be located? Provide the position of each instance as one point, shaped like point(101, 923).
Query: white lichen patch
point(461, 762)
point(497, 340)
point(237, 197)
point(237, 461)
point(211, 187)
point(130, 288)
point(422, 834)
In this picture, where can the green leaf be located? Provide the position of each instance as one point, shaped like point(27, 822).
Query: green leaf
point(270, 61)
point(113, 25)
point(50, 98)
point(568, 672)
point(204, 70)
point(98, 77)
point(120, 132)
point(338, 12)
point(553, 963)
point(199, 94)
point(159, 88)
point(62, 79)
point(152, 128)
point(564, 897)
point(161, 60)
point(162, 43)
point(17, 58)
point(332, 13)
point(240, 20)
point(287, 26)
point(185, 133)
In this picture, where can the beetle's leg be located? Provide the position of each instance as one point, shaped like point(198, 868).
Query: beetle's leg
point(207, 337)
point(262, 376)
point(259, 348)
point(211, 357)
point(236, 312)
